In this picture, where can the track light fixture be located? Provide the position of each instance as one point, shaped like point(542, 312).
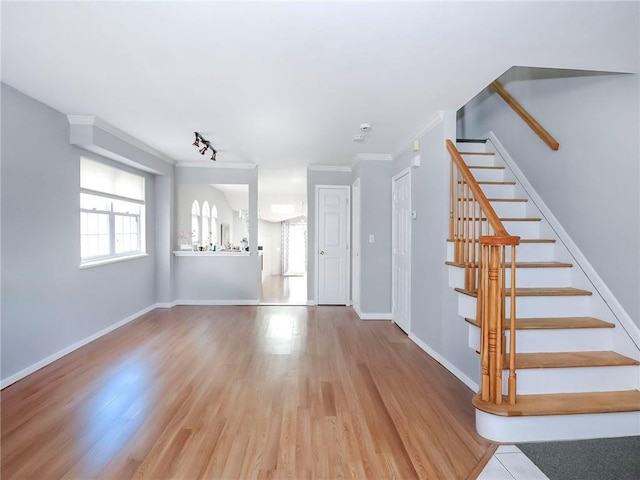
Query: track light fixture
point(207, 146)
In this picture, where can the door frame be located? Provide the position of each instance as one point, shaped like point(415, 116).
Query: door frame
point(394, 226)
point(356, 235)
point(316, 255)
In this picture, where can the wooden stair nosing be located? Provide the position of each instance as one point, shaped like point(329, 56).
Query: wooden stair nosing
point(505, 219)
point(478, 153)
point(586, 359)
point(486, 167)
point(508, 199)
point(553, 264)
point(564, 404)
point(536, 292)
point(506, 182)
point(553, 323)
point(523, 240)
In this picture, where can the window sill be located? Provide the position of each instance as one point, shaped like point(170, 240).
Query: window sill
point(221, 253)
point(107, 261)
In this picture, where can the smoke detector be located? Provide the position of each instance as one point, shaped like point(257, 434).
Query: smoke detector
point(358, 138)
point(365, 127)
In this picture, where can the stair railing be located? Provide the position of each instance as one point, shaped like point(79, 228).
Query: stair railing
point(484, 248)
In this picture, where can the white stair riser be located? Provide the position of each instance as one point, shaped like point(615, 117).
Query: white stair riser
point(557, 427)
point(471, 147)
point(510, 209)
point(531, 381)
point(525, 277)
point(498, 191)
point(553, 340)
point(526, 307)
point(523, 229)
point(488, 174)
point(525, 252)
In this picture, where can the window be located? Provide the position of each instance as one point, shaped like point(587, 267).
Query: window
point(111, 212)
point(214, 224)
point(206, 234)
point(195, 222)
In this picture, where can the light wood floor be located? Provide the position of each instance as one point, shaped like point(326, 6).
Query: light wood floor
point(284, 290)
point(242, 392)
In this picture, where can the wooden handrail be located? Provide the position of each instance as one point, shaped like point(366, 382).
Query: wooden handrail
point(483, 254)
point(478, 194)
point(526, 116)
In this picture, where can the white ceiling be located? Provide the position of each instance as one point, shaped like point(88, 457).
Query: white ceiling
point(287, 84)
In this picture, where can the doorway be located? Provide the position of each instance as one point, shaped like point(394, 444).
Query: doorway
point(333, 225)
point(401, 249)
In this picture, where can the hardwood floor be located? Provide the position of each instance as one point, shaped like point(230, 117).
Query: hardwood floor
point(280, 289)
point(242, 392)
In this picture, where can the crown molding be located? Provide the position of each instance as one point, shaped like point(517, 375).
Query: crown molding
point(245, 166)
point(93, 121)
point(433, 122)
point(329, 168)
point(374, 156)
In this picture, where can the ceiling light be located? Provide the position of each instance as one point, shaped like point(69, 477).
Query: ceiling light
point(207, 146)
point(365, 127)
point(358, 138)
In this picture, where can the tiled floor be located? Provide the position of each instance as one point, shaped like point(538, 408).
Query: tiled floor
point(509, 463)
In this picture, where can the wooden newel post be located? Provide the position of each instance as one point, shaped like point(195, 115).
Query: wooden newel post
point(494, 324)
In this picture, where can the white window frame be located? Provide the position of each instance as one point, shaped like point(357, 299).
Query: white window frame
point(195, 223)
point(206, 218)
point(112, 256)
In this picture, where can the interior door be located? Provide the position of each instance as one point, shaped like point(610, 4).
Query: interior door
point(332, 213)
point(401, 244)
point(355, 245)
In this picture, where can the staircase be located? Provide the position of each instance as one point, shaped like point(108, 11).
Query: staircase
point(577, 370)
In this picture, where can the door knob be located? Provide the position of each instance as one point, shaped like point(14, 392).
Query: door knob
point(321, 252)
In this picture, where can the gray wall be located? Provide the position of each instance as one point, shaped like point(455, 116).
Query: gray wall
point(375, 219)
point(315, 177)
point(591, 184)
point(48, 302)
point(434, 317)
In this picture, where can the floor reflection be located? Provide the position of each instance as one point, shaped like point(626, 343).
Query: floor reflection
point(115, 413)
point(278, 336)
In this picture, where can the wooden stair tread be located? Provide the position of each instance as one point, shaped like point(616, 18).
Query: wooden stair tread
point(552, 323)
point(506, 219)
point(486, 167)
point(508, 199)
point(471, 140)
point(492, 183)
point(524, 240)
point(570, 360)
point(523, 264)
point(564, 404)
point(477, 153)
point(536, 292)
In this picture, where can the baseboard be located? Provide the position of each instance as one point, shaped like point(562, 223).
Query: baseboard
point(165, 305)
point(371, 316)
point(598, 284)
point(65, 351)
point(216, 302)
point(445, 363)
point(311, 303)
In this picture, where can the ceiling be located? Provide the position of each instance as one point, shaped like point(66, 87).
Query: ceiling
point(286, 85)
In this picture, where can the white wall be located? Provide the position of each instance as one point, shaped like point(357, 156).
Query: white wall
point(434, 318)
point(270, 238)
point(375, 219)
point(48, 302)
point(592, 183)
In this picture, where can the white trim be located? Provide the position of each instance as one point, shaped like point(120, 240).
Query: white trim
point(374, 156)
point(612, 302)
point(445, 363)
point(92, 120)
point(216, 302)
point(329, 168)
point(371, 316)
point(212, 164)
point(67, 350)
point(165, 305)
point(311, 303)
point(107, 261)
point(408, 143)
point(394, 223)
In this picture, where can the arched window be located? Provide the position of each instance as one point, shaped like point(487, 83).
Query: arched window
point(195, 222)
point(206, 234)
point(214, 224)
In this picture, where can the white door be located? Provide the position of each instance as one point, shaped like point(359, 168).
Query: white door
point(401, 244)
point(332, 253)
point(355, 245)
